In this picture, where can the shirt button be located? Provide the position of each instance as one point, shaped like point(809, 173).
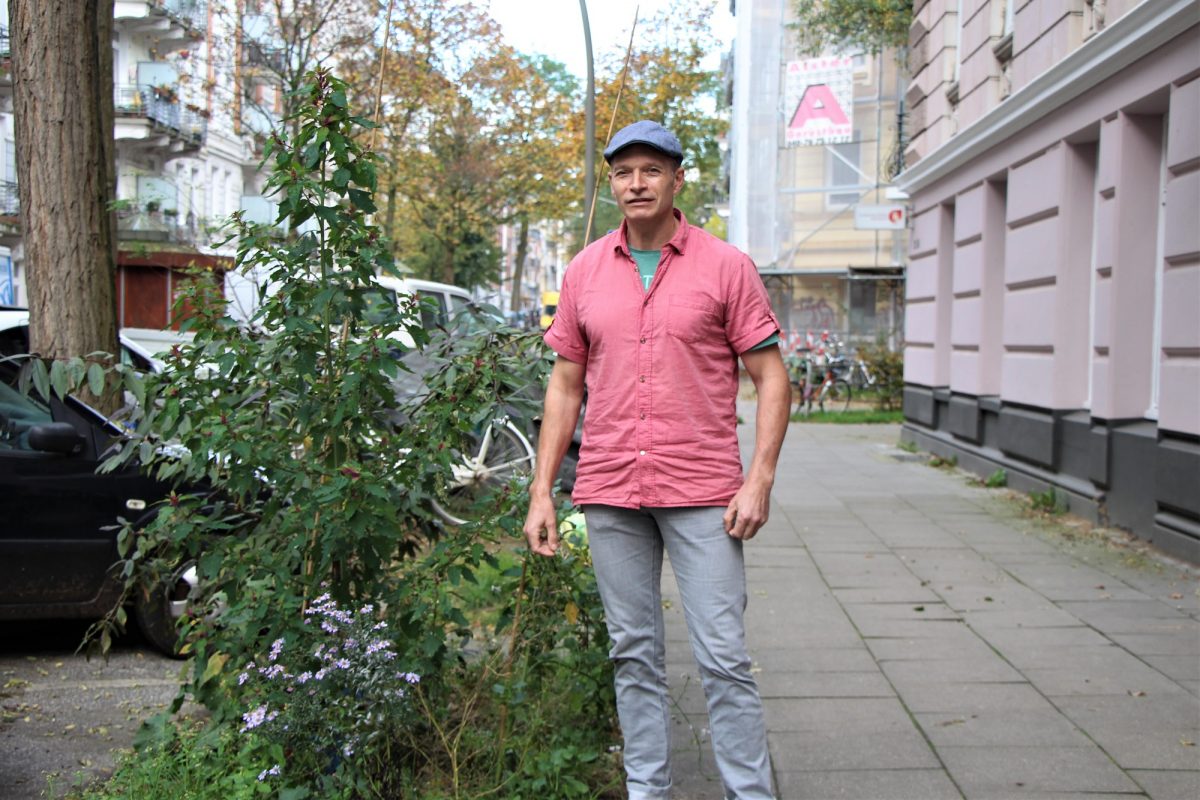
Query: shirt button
point(641, 452)
point(642, 378)
point(641, 416)
point(643, 340)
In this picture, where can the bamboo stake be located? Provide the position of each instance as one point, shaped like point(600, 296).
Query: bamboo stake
point(387, 32)
point(587, 235)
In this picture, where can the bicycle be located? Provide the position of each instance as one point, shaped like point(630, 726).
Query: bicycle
point(831, 393)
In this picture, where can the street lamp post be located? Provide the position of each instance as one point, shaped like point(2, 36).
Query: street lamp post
point(589, 105)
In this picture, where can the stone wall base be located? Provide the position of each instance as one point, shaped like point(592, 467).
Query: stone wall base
point(1125, 473)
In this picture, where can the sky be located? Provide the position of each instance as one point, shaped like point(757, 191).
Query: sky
point(555, 28)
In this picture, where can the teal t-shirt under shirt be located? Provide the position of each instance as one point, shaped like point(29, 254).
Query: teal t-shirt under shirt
point(647, 264)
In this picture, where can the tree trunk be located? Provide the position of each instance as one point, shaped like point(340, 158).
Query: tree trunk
point(62, 79)
point(519, 263)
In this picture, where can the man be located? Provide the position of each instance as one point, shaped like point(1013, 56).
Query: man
point(652, 318)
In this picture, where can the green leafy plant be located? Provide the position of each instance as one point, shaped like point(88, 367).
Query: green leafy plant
point(303, 460)
point(944, 462)
point(908, 447)
point(1051, 501)
point(997, 479)
point(887, 367)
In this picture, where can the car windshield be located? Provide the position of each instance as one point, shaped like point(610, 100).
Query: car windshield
point(18, 413)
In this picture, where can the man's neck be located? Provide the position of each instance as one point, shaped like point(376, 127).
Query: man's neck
point(652, 236)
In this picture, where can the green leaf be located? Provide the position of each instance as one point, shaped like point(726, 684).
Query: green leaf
point(41, 378)
point(136, 387)
point(58, 378)
point(362, 200)
point(216, 663)
point(341, 177)
point(338, 98)
point(95, 379)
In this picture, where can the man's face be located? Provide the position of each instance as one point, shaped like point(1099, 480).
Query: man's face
point(644, 183)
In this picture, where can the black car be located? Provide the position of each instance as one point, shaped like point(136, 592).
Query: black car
point(58, 516)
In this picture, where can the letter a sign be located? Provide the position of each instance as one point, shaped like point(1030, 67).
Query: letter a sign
point(820, 101)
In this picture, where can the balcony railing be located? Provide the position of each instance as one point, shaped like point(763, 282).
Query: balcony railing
point(10, 200)
point(163, 110)
point(193, 13)
point(162, 226)
point(5, 43)
point(268, 56)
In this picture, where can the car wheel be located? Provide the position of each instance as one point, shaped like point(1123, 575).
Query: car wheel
point(160, 609)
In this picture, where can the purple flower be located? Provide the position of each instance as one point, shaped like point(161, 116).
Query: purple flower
point(342, 663)
point(255, 718)
point(276, 649)
point(245, 676)
point(262, 776)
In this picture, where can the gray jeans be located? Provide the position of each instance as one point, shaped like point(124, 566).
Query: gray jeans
point(627, 551)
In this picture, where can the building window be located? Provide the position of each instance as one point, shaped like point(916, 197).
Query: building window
point(842, 166)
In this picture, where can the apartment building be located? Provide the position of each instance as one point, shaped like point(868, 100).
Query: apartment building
point(1053, 293)
point(191, 107)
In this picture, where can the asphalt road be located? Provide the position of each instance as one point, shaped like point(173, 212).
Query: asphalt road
point(64, 718)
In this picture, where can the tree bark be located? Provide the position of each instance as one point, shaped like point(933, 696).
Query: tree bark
point(63, 107)
point(519, 263)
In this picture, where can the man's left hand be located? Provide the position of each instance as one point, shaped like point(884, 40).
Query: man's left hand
point(748, 510)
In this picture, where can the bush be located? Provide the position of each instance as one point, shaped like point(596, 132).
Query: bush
point(303, 488)
point(887, 367)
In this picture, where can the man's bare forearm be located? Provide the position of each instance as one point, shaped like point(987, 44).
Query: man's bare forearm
point(771, 421)
point(560, 413)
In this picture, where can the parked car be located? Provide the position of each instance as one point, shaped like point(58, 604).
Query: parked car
point(14, 340)
point(58, 550)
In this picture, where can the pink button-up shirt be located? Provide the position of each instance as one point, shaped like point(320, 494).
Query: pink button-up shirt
point(662, 374)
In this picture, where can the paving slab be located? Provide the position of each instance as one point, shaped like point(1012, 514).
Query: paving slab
point(1014, 772)
point(869, 784)
point(1143, 732)
point(1168, 784)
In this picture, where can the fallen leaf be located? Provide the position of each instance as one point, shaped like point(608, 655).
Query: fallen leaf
point(918, 608)
point(1100, 586)
point(1187, 743)
point(1136, 693)
point(1176, 595)
point(988, 600)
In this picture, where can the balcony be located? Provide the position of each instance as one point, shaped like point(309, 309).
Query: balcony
point(5, 61)
point(10, 214)
point(136, 225)
point(171, 24)
point(153, 118)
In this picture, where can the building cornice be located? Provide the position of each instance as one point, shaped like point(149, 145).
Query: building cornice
point(1138, 33)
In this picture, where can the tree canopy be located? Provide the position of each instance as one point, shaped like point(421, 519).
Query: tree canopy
point(861, 26)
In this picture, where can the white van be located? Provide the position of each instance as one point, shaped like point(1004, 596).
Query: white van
point(449, 299)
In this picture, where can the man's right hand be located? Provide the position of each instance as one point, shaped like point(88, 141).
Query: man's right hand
point(541, 526)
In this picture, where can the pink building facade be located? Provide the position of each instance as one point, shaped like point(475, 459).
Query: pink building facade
point(1053, 293)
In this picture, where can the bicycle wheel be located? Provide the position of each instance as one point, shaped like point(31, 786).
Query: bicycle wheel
point(502, 453)
point(835, 396)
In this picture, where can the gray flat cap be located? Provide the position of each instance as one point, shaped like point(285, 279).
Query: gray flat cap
point(645, 132)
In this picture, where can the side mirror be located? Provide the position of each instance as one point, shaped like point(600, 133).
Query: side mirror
point(55, 437)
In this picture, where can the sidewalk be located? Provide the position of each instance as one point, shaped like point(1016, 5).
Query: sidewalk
point(916, 637)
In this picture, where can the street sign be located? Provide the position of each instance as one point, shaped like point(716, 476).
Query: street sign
point(880, 218)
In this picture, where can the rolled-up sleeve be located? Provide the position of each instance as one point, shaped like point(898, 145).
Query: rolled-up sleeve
point(565, 336)
point(748, 315)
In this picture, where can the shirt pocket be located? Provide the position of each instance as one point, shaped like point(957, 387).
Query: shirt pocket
point(692, 316)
